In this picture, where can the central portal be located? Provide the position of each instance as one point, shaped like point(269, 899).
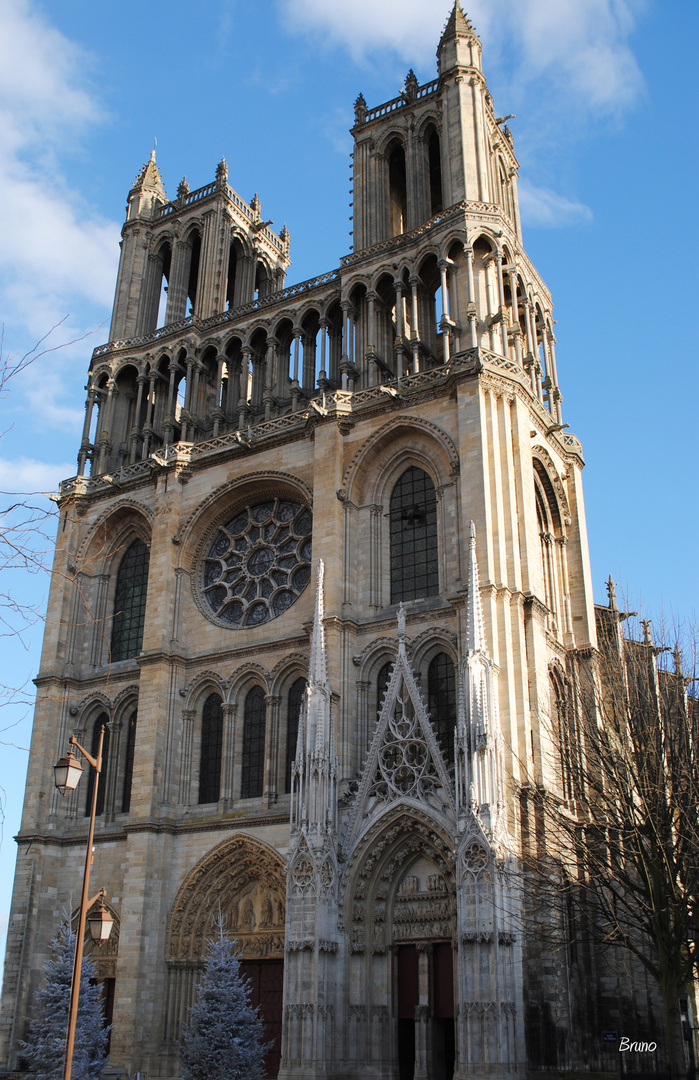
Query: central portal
point(424, 981)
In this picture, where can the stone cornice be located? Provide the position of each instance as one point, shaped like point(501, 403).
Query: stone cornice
point(173, 828)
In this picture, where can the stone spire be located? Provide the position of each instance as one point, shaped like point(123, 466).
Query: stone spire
point(149, 178)
point(458, 24)
point(478, 740)
point(314, 770)
point(317, 672)
point(475, 634)
point(147, 192)
point(459, 46)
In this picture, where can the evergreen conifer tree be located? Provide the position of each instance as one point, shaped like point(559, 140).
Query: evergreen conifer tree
point(223, 1038)
point(45, 1048)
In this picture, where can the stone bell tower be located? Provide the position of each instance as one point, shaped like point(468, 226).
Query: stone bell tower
point(331, 587)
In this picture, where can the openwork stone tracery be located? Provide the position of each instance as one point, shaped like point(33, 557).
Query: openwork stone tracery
point(258, 563)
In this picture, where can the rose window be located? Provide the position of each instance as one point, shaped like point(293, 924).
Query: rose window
point(258, 563)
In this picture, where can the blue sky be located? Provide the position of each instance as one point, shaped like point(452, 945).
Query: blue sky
point(604, 93)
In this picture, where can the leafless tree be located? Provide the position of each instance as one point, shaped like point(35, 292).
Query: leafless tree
point(27, 533)
point(623, 825)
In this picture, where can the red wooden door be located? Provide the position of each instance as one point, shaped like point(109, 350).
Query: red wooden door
point(267, 984)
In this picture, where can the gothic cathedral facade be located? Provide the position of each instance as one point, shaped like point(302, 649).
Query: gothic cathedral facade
point(323, 574)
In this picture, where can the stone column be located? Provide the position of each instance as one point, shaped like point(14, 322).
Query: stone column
point(423, 1014)
point(501, 313)
point(105, 444)
point(244, 380)
point(270, 789)
point(323, 373)
point(136, 432)
point(445, 321)
point(471, 305)
point(227, 764)
point(414, 324)
point(85, 442)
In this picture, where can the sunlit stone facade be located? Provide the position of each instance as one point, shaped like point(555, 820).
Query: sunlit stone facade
point(323, 571)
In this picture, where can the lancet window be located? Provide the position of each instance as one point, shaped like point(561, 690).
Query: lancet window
point(565, 734)
point(398, 189)
point(293, 712)
point(413, 537)
point(552, 542)
point(100, 722)
point(128, 763)
point(130, 602)
point(382, 680)
point(441, 702)
point(211, 750)
point(254, 724)
point(434, 159)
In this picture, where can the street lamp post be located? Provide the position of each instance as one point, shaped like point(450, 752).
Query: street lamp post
point(67, 773)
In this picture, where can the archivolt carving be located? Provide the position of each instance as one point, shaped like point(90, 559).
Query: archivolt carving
point(91, 703)
point(547, 461)
point(244, 879)
point(200, 679)
point(412, 424)
point(375, 864)
point(117, 510)
point(127, 692)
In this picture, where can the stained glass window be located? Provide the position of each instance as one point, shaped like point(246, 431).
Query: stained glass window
point(441, 702)
point(382, 681)
point(130, 602)
point(128, 763)
point(296, 694)
point(211, 747)
point(254, 722)
point(100, 722)
point(413, 534)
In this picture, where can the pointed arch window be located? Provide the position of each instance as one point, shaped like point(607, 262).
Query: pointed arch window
point(382, 680)
point(211, 749)
point(441, 702)
point(413, 537)
point(566, 735)
point(130, 602)
point(254, 725)
point(293, 713)
point(128, 763)
point(102, 721)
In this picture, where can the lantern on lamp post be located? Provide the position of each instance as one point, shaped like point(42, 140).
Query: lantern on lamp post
point(67, 773)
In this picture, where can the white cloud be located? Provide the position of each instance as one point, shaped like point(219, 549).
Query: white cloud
point(543, 207)
point(581, 45)
point(56, 253)
point(27, 475)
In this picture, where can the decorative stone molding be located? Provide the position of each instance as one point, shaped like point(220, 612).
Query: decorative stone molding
point(300, 946)
point(248, 880)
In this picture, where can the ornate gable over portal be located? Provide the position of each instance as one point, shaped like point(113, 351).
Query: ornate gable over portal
point(404, 761)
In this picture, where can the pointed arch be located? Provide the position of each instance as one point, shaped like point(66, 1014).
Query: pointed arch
point(130, 602)
point(232, 871)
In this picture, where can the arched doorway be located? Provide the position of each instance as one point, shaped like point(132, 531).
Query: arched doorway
point(244, 880)
point(401, 906)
